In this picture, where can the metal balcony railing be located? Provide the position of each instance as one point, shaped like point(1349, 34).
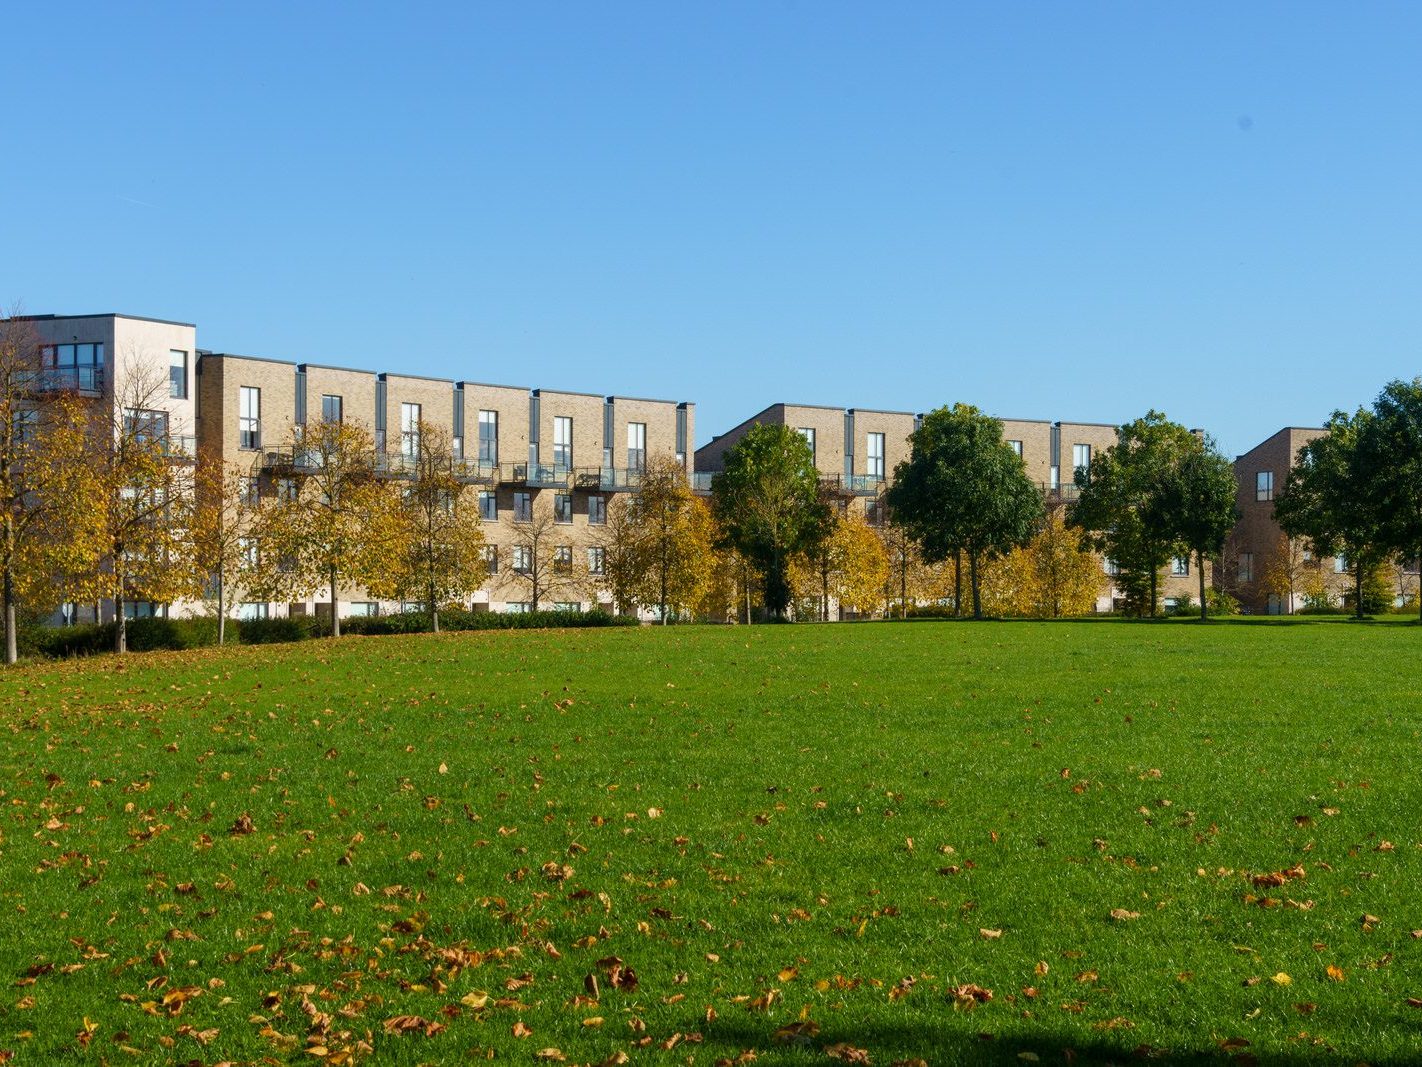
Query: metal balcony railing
point(609, 479)
point(1064, 493)
point(61, 379)
point(477, 472)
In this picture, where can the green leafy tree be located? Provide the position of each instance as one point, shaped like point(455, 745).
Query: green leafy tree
point(1199, 497)
point(1331, 497)
point(1395, 446)
point(673, 531)
point(963, 489)
point(766, 503)
point(1124, 510)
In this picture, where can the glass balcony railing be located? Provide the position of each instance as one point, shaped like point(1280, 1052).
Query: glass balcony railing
point(863, 484)
point(60, 379)
point(540, 475)
point(701, 481)
point(609, 479)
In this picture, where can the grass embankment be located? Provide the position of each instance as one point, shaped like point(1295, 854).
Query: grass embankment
point(796, 840)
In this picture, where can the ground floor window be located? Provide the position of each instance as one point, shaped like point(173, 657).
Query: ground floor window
point(360, 608)
point(567, 605)
point(518, 607)
point(142, 609)
point(247, 612)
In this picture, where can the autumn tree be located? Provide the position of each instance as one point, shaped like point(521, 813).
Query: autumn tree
point(437, 536)
point(1287, 572)
point(545, 564)
point(141, 492)
point(963, 489)
point(224, 534)
point(908, 580)
point(1331, 497)
point(673, 530)
point(730, 586)
point(333, 521)
point(847, 564)
point(1123, 509)
point(766, 504)
point(623, 567)
point(42, 470)
point(1054, 576)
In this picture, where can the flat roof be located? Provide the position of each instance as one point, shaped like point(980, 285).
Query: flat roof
point(104, 315)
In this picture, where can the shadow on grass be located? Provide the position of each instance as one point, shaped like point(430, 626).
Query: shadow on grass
point(728, 1037)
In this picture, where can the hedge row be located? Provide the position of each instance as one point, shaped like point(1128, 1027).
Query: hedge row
point(145, 635)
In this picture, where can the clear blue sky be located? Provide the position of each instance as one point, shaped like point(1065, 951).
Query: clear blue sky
point(1063, 211)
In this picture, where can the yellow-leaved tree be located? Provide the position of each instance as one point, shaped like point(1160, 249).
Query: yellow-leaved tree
point(848, 564)
point(225, 537)
point(333, 520)
point(910, 580)
point(436, 553)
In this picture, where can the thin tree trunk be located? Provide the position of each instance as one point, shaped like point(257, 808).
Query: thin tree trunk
point(958, 582)
point(903, 584)
point(973, 572)
point(12, 644)
point(1358, 589)
point(120, 623)
point(1154, 577)
point(663, 575)
point(1200, 564)
point(221, 607)
point(434, 609)
point(335, 615)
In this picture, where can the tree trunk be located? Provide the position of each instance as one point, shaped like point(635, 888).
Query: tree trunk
point(335, 615)
point(958, 582)
point(663, 583)
point(973, 572)
point(1200, 565)
point(120, 626)
point(824, 594)
point(221, 608)
point(1154, 577)
point(12, 643)
point(903, 584)
point(1358, 589)
point(434, 609)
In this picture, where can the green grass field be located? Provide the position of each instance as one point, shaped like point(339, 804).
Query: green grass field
point(950, 842)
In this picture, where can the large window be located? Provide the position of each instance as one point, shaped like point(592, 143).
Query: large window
point(249, 417)
point(1264, 485)
point(249, 612)
point(563, 559)
point(1016, 446)
point(410, 429)
point(523, 507)
point(808, 433)
point(332, 408)
point(636, 446)
point(488, 505)
point(491, 558)
point(874, 512)
point(563, 507)
point(77, 366)
point(488, 437)
point(562, 444)
point(177, 374)
point(145, 425)
point(1080, 457)
point(597, 510)
point(522, 559)
point(874, 455)
point(1180, 567)
point(597, 559)
point(1246, 566)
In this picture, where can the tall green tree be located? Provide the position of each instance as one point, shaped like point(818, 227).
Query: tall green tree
point(1124, 510)
point(1331, 496)
point(1200, 505)
point(766, 503)
point(963, 489)
point(1395, 446)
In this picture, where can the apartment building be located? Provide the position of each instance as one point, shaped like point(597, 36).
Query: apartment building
point(857, 449)
point(545, 464)
point(1268, 573)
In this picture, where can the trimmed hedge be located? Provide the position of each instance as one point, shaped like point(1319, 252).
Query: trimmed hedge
point(147, 635)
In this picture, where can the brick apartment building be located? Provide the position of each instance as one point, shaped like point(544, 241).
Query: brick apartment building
point(857, 449)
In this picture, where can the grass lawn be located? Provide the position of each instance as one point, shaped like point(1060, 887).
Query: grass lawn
point(942, 841)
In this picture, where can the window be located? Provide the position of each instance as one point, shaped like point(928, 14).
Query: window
point(1246, 566)
point(489, 437)
point(567, 605)
point(251, 554)
point(636, 446)
point(79, 366)
point(563, 559)
point(247, 612)
point(488, 505)
point(249, 417)
point(523, 507)
point(177, 374)
point(1016, 446)
point(409, 429)
point(332, 408)
point(491, 558)
point(518, 607)
point(26, 424)
point(1111, 567)
point(1081, 457)
point(563, 507)
point(1264, 485)
point(287, 489)
point(808, 433)
point(874, 455)
point(145, 425)
point(251, 491)
point(522, 559)
point(597, 560)
point(1179, 567)
point(141, 609)
point(1056, 477)
point(562, 444)
point(363, 608)
point(597, 510)
point(1340, 565)
point(874, 512)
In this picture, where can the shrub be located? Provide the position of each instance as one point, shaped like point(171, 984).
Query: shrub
point(275, 631)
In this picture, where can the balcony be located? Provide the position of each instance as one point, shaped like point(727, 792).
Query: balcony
point(609, 479)
point(475, 472)
point(1060, 494)
point(85, 380)
point(179, 446)
point(536, 475)
point(851, 484)
point(289, 461)
point(701, 481)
